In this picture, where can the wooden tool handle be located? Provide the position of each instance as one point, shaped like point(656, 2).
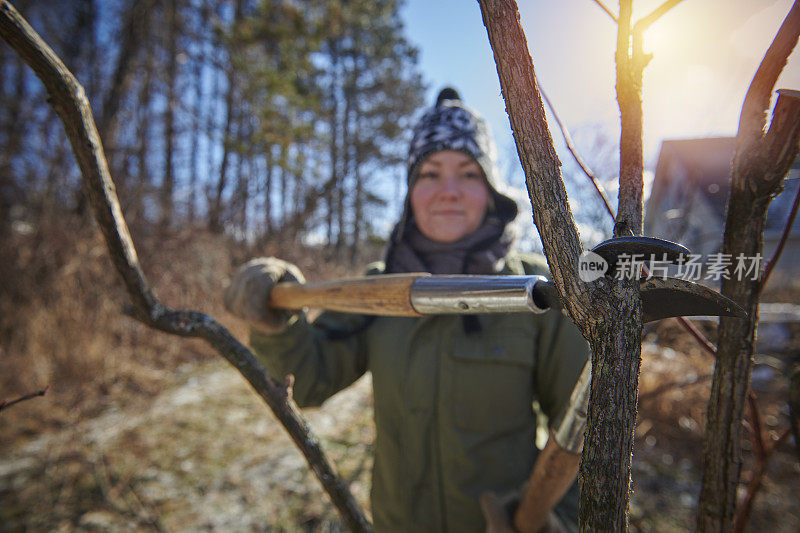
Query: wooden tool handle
point(386, 295)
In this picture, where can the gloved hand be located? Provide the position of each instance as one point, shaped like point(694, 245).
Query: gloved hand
point(499, 511)
point(248, 292)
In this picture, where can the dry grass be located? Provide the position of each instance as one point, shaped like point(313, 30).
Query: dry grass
point(146, 431)
point(62, 323)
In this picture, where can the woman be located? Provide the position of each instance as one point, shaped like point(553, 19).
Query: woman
point(453, 394)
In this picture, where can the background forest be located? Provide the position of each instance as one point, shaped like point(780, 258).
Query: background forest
point(251, 118)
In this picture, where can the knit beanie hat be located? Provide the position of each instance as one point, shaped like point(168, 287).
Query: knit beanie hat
point(450, 125)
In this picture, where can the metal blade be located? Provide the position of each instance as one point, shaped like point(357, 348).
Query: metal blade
point(644, 248)
point(661, 298)
point(671, 297)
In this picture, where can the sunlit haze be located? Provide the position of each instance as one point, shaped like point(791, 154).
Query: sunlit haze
point(705, 53)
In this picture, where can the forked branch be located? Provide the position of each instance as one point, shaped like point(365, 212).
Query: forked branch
point(69, 100)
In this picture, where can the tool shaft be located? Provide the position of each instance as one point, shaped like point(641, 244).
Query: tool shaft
point(418, 294)
point(475, 294)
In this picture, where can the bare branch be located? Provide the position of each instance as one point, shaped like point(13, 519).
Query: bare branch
point(666, 387)
point(548, 196)
point(647, 21)
point(572, 150)
point(70, 102)
point(608, 312)
point(604, 8)
point(762, 455)
point(760, 164)
point(629, 67)
point(698, 335)
point(753, 118)
point(5, 404)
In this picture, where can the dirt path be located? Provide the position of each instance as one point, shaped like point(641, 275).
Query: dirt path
point(206, 455)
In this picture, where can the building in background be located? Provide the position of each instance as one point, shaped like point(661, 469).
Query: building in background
point(688, 202)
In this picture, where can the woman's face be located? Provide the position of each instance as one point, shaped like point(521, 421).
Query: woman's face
point(449, 197)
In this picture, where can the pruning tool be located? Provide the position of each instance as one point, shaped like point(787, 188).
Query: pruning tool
point(419, 294)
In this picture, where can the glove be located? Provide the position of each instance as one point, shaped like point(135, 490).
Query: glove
point(499, 511)
point(248, 292)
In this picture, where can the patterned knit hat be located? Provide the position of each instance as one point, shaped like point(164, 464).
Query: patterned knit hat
point(450, 125)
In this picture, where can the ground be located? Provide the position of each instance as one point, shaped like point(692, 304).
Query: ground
point(143, 431)
point(205, 454)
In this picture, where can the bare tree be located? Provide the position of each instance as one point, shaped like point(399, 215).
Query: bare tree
point(608, 312)
point(763, 157)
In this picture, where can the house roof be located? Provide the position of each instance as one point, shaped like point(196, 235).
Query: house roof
point(706, 164)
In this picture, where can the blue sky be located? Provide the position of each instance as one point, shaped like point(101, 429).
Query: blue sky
point(705, 53)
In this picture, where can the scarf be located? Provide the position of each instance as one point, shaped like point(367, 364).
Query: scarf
point(480, 252)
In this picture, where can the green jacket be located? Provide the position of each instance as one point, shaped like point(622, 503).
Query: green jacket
point(453, 411)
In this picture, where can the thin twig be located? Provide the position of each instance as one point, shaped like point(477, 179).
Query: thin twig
point(608, 11)
point(757, 434)
point(698, 335)
point(647, 21)
point(666, 387)
point(745, 508)
point(571, 147)
point(787, 229)
point(5, 404)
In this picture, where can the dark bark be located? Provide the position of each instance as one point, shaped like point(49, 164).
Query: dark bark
point(135, 30)
point(347, 143)
point(199, 114)
point(631, 61)
point(137, 202)
point(168, 184)
point(69, 100)
point(13, 136)
point(759, 166)
point(608, 312)
point(334, 141)
point(215, 217)
point(269, 166)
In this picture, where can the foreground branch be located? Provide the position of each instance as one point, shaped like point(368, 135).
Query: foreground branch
point(70, 102)
point(608, 312)
point(572, 150)
point(760, 164)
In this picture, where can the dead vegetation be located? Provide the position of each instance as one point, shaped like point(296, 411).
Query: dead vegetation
point(146, 431)
point(63, 326)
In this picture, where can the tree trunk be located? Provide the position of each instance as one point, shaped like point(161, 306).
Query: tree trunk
point(136, 204)
point(13, 135)
point(334, 141)
point(759, 166)
point(198, 119)
point(215, 222)
point(134, 33)
point(268, 191)
point(168, 184)
point(341, 193)
point(215, 212)
point(608, 312)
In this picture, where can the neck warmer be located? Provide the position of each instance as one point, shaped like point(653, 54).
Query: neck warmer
point(480, 252)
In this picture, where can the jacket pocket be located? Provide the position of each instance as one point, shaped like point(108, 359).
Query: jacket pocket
point(493, 380)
